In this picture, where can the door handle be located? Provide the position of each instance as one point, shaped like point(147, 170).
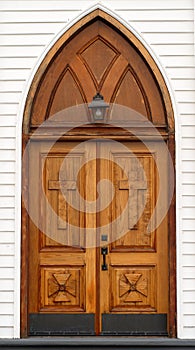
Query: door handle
point(104, 252)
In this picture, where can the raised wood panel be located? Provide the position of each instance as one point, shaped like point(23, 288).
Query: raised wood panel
point(63, 288)
point(134, 289)
point(129, 92)
point(66, 92)
point(63, 221)
point(135, 180)
point(106, 55)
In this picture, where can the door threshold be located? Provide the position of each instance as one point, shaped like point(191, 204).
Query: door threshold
point(97, 342)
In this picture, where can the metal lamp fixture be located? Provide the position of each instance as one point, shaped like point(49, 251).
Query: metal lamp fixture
point(98, 108)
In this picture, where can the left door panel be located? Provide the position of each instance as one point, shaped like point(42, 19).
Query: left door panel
point(62, 260)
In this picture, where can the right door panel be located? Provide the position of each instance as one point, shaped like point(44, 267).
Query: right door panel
point(134, 288)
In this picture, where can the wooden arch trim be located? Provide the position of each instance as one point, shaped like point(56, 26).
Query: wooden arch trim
point(70, 33)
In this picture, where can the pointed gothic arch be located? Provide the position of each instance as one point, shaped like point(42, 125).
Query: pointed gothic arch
point(138, 49)
point(155, 104)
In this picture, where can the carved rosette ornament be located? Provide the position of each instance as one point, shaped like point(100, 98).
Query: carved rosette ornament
point(61, 286)
point(133, 287)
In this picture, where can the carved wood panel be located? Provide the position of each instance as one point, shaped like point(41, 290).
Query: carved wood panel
point(139, 188)
point(62, 220)
point(134, 176)
point(134, 289)
point(63, 288)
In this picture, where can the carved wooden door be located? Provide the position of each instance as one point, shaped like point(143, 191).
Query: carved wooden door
point(94, 245)
point(94, 266)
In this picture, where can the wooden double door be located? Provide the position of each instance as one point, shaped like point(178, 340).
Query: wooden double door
point(94, 265)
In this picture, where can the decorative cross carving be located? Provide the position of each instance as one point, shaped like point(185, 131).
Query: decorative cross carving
point(68, 185)
point(133, 185)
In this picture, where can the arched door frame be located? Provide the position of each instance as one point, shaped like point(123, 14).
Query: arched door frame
point(130, 34)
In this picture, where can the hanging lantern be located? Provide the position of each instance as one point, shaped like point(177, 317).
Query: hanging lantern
point(98, 108)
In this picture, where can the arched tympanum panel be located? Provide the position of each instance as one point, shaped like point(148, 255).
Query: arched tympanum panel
point(98, 57)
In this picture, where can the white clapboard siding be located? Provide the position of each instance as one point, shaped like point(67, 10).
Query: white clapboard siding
point(76, 4)
point(9, 141)
point(30, 28)
point(186, 108)
point(6, 320)
point(9, 108)
point(6, 273)
point(6, 249)
point(15, 75)
point(175, 61)
point(6, 332)
point(183, 84)
point(7, 120)
point(188, 154)
point(189, 247)
point(188, 143)
point(188, 236)
point(188, 177)
point(7, 285)
point(7, 236)
point(6, 213)
point(7, 166)
point(189, 130)
point(6, 308)
point(189, 120)
point(7, 178)
point(169, 38)
point(6, 297)
point(24, 39)
point(173, 49)
point(7, 154)
point(6, 226)
point(21, 62)
point(189, 296)
point(188, 166)
point(7, 131)
point(22, 51)
point(187, 96)
point(165, 26)
point(6, 261)
point(26, 29)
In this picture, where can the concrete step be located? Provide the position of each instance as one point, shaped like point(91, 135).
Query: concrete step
point(96, 343)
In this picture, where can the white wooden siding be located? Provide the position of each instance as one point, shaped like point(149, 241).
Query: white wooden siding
point(26, 29)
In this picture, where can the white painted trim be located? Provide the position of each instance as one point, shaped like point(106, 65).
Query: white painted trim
point(19, 152)
point(17, 261)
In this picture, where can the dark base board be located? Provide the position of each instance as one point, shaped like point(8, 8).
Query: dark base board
point(96, 343)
